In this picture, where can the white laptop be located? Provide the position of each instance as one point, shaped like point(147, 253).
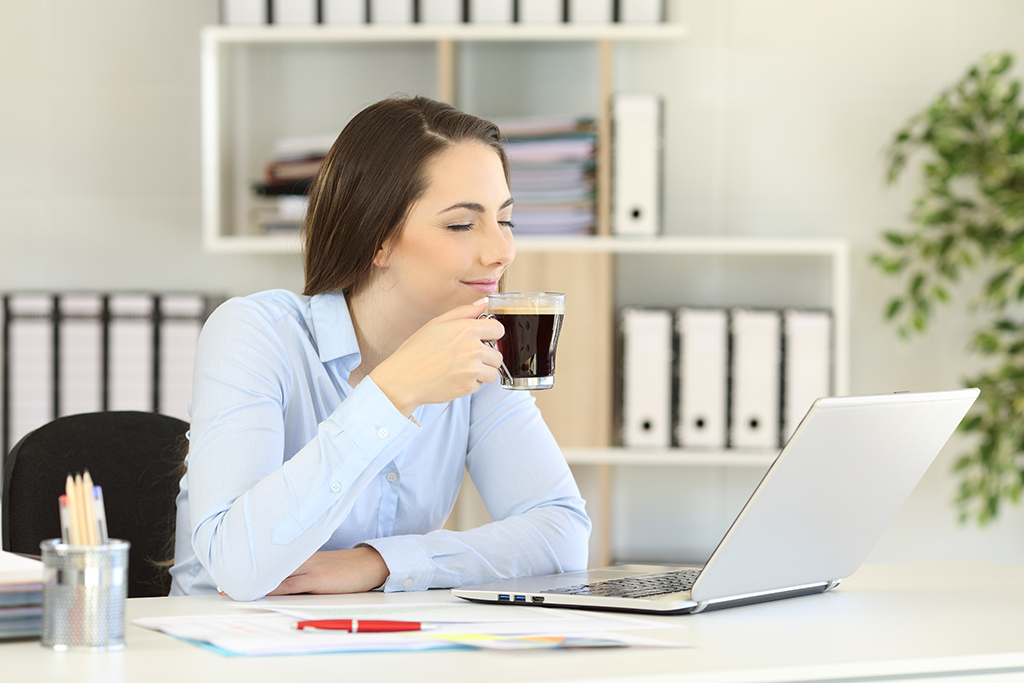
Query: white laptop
point(813, 519)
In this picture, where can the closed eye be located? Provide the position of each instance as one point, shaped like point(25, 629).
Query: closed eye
point(509, 224)
point(460, 227)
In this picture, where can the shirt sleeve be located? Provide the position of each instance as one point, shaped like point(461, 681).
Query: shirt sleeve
point(254, 516)
point(541, 526)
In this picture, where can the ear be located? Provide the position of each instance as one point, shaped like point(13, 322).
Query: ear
point(382, 259)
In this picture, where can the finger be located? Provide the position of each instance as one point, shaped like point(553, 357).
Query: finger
point(492, 330)
point(492, 358)
point(473, 310)
point(489, 375)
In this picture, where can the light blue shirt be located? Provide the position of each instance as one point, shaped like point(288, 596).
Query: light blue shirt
point(285, 459)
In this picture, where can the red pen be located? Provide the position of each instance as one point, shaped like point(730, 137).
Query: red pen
point(364, 625)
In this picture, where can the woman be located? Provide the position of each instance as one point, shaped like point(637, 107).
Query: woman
point(330, 431)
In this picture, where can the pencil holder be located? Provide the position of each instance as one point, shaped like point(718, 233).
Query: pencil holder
point(84, 593)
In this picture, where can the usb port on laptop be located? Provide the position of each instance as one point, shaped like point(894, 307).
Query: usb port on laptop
point(520, 598)
point(503, 598)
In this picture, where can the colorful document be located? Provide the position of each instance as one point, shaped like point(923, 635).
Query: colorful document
point(252, 631)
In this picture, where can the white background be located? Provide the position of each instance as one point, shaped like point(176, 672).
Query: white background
point(777, 115)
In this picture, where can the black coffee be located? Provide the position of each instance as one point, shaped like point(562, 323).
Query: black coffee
point(528, 345)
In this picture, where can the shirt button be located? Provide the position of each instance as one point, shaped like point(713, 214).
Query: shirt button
point(406, 583)
point(335, 487)
point(392, 477)
point(383, 432)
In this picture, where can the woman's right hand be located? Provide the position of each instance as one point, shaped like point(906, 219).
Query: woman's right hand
point(443, 360)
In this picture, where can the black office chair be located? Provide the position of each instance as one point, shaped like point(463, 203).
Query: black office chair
point(136, 457)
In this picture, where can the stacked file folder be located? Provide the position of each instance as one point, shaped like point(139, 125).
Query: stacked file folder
point(83, 352)
point(354, 12)
point(286, 181)
point(721, 378)
point(21, 596)
point(552, 174)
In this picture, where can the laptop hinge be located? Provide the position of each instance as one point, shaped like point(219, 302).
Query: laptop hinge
point(764, 596)
point(832, 584)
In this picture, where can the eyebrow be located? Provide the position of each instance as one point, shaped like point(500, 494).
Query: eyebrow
point(479, 208)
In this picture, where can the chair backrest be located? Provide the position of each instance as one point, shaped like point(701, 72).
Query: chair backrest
point(134, 456)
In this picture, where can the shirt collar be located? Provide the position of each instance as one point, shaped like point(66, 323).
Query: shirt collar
point(332, 328)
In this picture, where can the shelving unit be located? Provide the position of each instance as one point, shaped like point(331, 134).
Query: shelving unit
point(224, 202)
point(572, 415)
point(580, 409)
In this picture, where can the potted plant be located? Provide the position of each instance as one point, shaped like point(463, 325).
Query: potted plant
point(970, 216)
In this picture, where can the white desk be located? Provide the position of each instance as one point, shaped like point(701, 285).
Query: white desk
point(890, 621)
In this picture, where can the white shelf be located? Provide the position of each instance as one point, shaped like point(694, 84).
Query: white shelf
point(255, 244)
point(683, 244)
point(674, 457)
point(434, 32)
point(224, 56)
point(661, 244)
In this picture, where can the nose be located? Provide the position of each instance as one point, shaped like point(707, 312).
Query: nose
point(499, 248)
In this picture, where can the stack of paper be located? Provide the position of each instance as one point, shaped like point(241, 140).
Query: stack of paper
point(287, 178)
point(552, 163)
point(21, 596)
point(459, 625)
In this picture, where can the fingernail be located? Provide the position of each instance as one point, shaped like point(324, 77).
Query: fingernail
point(480, 302)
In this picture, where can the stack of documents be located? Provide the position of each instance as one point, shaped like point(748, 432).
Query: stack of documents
point(84, 352)
point(552, 172)
point(21, 596)
point(287, 178)
point(251, 631)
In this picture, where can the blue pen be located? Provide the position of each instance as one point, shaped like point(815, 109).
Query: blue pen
point(101, 515)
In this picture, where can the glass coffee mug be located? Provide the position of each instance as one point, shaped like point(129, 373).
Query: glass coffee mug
point(532, 321)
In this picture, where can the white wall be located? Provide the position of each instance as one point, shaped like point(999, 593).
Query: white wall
point(778, 112)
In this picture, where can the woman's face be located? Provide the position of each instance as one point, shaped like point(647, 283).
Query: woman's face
point(457, 240)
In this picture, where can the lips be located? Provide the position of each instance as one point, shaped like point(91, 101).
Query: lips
point(483, 286)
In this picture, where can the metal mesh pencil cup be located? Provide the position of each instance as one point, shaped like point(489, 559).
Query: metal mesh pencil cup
point(84, 593)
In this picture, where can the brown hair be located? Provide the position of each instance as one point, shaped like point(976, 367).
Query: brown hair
point(370, 179)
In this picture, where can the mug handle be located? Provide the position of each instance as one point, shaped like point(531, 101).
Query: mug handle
point(506, 376)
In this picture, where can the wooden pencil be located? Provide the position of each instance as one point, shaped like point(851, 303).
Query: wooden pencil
point(72, 505)
point(91, 537)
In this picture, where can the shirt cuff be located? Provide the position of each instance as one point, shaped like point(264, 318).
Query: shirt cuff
point(408, 561)
point(374, 424)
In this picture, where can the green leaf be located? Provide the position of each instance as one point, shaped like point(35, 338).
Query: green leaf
point(986, 343)
point(916, 284)
point(894, 307)
point(896, 238)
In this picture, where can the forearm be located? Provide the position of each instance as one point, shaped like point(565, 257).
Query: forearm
point(546, 540)
point(251, 540)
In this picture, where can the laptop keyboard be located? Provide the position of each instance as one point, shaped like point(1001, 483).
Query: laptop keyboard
point(635, 586)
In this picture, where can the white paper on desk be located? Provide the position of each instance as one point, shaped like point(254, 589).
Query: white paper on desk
point(480, 619)
point(598, 639)
point(247, 633)
point(17, 570)
point(275, 634)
